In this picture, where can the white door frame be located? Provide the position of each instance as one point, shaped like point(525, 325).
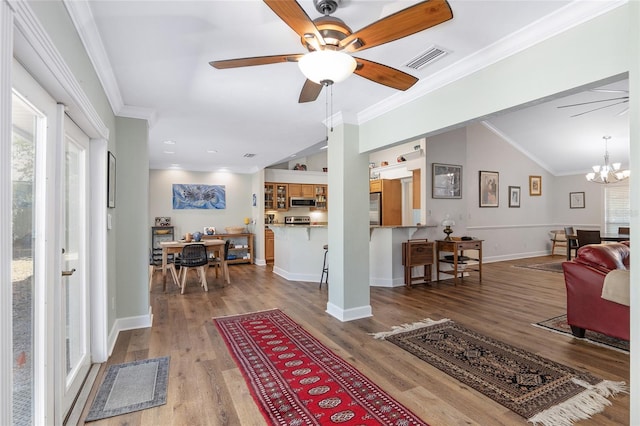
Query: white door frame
point(22, 36)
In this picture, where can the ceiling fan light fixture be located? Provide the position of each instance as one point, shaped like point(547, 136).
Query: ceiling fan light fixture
point(607, 173)
point(327, 66)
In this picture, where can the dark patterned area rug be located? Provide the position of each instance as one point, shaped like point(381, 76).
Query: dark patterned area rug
point(559, 325)
point(132, 386)
point(548, 266)
point(296, 380)
point(540, 390)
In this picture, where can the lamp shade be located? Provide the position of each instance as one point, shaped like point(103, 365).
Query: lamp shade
point(448, 222)
point(327, 66)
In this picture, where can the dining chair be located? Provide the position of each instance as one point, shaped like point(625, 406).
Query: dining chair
point(558, 239)
point(588, 237)
point(218, 262)
point(571, 242)
point(194, 256)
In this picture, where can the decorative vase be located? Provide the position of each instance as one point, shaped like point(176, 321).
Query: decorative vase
point(197, 236)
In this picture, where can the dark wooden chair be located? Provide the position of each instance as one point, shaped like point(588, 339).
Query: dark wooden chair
point(194, 256)
point(588, 237)
point(572, 242)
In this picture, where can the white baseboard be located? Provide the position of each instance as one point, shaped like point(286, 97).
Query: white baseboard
point(349, 314)
point(130, 323)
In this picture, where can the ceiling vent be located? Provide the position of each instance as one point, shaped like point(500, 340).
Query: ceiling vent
point(429, 56)
point(247, 155)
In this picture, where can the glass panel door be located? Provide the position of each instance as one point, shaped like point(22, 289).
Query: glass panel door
point(75, 297)
point(23, 270)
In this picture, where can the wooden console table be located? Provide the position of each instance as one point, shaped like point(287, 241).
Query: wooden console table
point(457, 248)
point(417, 253)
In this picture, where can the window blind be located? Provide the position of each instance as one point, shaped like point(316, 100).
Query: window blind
point(616, 207)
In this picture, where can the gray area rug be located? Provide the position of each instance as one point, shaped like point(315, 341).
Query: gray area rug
point(132, 386)
point(549, 266)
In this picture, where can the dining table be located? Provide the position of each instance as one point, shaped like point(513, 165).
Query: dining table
point(215, 246)
point(608, 237)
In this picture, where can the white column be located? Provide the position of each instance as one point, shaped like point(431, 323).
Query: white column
point(348, 226)
point(634, 159)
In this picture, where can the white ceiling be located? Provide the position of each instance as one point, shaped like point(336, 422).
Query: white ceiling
point(153, 58)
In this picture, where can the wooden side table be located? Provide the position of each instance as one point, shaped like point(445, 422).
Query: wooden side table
point(457, 247)
point(417, 253)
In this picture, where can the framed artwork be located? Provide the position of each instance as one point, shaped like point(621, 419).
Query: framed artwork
point(446, 181)
point(576, 200)
point(489, 184)
point(196, 196)
point(514, 196)
point(535, 185)
point(209, 230)
point(111, 181)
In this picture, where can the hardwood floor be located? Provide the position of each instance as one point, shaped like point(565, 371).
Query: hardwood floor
point(206, 387)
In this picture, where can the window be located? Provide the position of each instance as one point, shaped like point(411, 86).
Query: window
point(616, 207)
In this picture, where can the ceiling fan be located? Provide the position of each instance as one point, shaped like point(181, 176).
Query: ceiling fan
point(620, 100)
point(332, 37)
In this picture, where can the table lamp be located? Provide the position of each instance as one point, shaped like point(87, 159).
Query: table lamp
point(448, 223)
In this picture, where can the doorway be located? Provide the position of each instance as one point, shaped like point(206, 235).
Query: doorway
point(50, 255)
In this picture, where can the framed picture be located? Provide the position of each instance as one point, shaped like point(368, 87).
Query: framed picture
point(576, 200)
point(111, 181)
point(196, 196)
point(514, 196)
point(209, 230)
point(446, 181)
point(489, 183)
point(535, 185)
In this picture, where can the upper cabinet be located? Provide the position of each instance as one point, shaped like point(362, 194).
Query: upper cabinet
point(321, 196)
point(301, 190)
point(276, 196)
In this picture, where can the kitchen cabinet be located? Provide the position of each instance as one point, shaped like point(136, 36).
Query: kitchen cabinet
point(240, 246)
point(276, 196)
point(416, 189)
point(321, 195)
point(390, 200)
point(268, 245)
point(301, 190)
point(158, 235)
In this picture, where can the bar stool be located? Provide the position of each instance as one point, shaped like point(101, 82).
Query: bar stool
point(325, 267)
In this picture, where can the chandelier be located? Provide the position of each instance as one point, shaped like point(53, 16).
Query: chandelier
point(607, 173)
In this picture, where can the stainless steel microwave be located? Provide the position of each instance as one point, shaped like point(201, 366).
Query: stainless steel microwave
point(308, 202)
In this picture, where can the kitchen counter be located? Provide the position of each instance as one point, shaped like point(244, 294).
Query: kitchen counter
point(298, 250)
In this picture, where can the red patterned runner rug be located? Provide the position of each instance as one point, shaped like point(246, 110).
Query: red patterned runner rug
point(296, 380)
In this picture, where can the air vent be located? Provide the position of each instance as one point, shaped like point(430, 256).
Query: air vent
point(247, 155)
point(431, 55)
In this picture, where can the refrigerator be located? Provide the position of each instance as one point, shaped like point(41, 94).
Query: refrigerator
point(375, 209)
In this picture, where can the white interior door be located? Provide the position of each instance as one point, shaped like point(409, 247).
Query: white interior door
point(74, 341)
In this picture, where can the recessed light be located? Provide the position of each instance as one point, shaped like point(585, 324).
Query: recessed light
point(175, 165)
point(170, 142)
point(169, 152)
point(212, 151)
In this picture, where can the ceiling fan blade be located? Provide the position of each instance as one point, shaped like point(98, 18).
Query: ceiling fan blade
point(593, 102)
point(294, 16)
point(384, 75)
point(310, 92)
point(256, 60)
point(401, 24)
point(596, 109)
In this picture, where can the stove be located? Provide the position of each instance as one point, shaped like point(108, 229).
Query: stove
point(297, 220)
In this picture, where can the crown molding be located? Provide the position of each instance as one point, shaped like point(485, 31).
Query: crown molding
point(84, 22)
point(46, 53)
point(570, 16)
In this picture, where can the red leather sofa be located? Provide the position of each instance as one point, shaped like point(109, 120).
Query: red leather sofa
point(584, 277)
